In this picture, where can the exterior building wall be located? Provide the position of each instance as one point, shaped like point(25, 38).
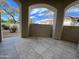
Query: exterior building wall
point(59, 5)
point(57, 27)
point(39, 30)
point(78, 47)
point(70, 33)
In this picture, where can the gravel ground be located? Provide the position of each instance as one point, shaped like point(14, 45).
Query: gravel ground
point(6, 34)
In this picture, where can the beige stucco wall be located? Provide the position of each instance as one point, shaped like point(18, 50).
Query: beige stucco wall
point(57, 4)
point(40, 30)
point(78, 47)
point(70, 33)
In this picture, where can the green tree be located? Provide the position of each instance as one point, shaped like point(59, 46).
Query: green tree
point(9, 22)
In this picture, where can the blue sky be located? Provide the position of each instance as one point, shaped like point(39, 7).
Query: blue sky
point(42, 13)
point(14, 5)
point(73, 11)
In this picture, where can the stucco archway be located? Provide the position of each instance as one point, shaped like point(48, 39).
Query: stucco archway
point(68, 9)
point(44, 6)
point(69, 31)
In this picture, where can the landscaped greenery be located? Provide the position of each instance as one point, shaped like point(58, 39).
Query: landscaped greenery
point(7, 22)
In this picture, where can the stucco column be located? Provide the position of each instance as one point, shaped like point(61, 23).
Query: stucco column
point(58, 25)
point(0, 28)
point(24, 21)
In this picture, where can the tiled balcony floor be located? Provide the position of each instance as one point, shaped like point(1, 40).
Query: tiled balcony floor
point(37, 48)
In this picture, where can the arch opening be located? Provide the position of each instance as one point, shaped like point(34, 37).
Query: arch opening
point(71, 17)
point(41, 18)
point(10, 18)
point(71, 22)
point(42, 14)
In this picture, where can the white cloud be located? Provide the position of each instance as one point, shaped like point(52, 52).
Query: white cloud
point(39, 10)
point(41, 14)
point(32, 17)
point(42, 10)
point(34, 11)
point(49, 13)
point(73, 9)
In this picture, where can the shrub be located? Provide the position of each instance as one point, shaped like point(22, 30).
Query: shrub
point(5, 27)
